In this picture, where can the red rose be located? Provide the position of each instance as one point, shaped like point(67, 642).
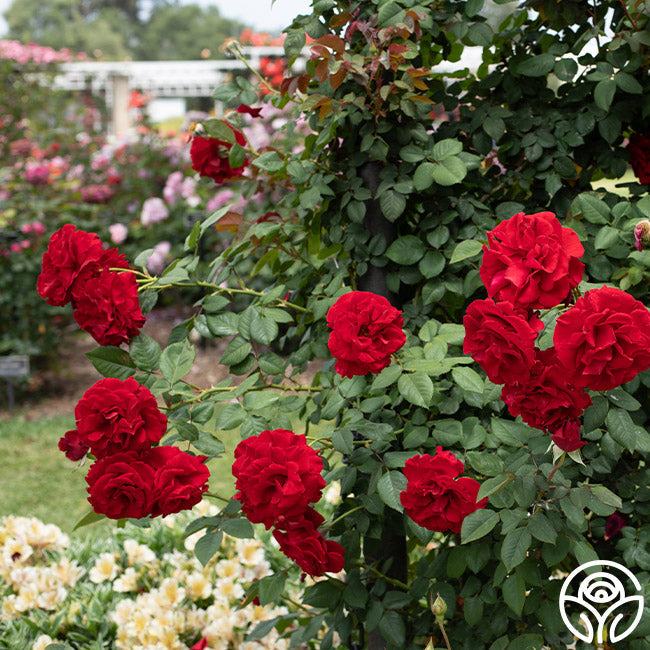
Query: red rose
point(115, 416)
point(604, 339)
point(121, 485)
point(546, 399)
point(567, 436)
point(73, 446)
point(109, 309)
point(201, 644)
point(615, 524)
point(434, 498)
point(253, 112)
point(301, 542)
point(73, 257)
point(366, 330)
point(277, 474)
point(69, 253)
point(639, 148)
point(501, 340)
point(532, 261)
point(210, 157)
point(181, 479)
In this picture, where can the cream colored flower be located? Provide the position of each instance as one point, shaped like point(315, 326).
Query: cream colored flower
point(128, 581)
point(198, 586)
point(42, 642)
point(333, 493)
point(228, 589)
point(250, 552)
point(228, 569)
point(138, 553)
point(105, 568)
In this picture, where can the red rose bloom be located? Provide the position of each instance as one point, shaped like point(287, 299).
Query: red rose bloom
point(604, 339)
point(115, 416)
point(501, 340)
point(532, 261)
point(180, 481)
point(366, 330)
point(277, 474)
point(546, 399)
point(301, 542)
point(72, 445)
point(109, 309)
point(567, 436)
point(249, 110)
point(69, 253)
point(615, 524)
point(121, 485)
point(639, 148)
point(434, 498)
point(210, 157)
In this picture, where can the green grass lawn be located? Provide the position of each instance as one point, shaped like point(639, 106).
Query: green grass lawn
point(39, 481)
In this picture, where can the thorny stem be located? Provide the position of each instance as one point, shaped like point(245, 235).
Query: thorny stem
point(225, 389)
point(214, 495)
point(393, 581)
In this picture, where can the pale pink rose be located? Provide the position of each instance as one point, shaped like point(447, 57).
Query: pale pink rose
point(118, 233)
point(156, 261)
point(153, 211)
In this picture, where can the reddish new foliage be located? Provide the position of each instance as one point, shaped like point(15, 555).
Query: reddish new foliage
point(434, 498)
point(603, 341)
point(366, 330)
point(532, 261)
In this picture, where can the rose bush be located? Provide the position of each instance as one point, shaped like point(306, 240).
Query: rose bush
point(386, 200)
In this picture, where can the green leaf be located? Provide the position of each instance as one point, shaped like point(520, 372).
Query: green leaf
point(621, 428)
point(209, 445)
point(260, 400)
point(392, 204)
point(495, 127)
point(269, 161)
point(423, 176)
point(466, 249)
point(207, 546)
point(527, 642)
point(536, 66)
point(176, 360)
point(342, 440)
point(541, 528)
point(478, 524)
point(262, 629)
point(225, 324)
point(514, 592)
point(514, 547)
point(294, 42)
point(411, 153)
point(604, 93)
point(627, 83)
point(271, 588)
point(391, 626)
point(145, 352)
point(386, 377)
point(473, 7)
point(218, 129)
point(606, 238)
point(111, 361)
point(446, 149)
point(417, 388)
point(468, 379)
point(594, 209)
point(187, 431)
point(238, 527)
point(449, 172)
point(405, 250)
point(606, 496)
point(89, 518)
point(565, 69)
point(323, 595)
point(389, 486)
point(264, 329)
point(485, 462)
point(480, 34)
point(238, 349)
point(492, 485)
point(236, 156)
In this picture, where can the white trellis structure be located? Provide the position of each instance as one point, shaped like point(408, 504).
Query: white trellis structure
point(115, 79)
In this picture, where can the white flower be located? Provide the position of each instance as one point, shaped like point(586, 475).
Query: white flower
point(104, 569)
point(42, 642)
point(138, 553)
point(128, 581)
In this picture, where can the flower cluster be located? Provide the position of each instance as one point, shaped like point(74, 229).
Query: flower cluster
point(155, 594)
point(602, 341)
point(210, 157)
point(119, 422)
point(25, 546)
point(366, 331)
point(278, 475)
point(77, 269)
point(434, 497)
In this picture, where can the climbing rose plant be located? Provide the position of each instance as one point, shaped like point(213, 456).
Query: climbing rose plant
point(394, 227)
